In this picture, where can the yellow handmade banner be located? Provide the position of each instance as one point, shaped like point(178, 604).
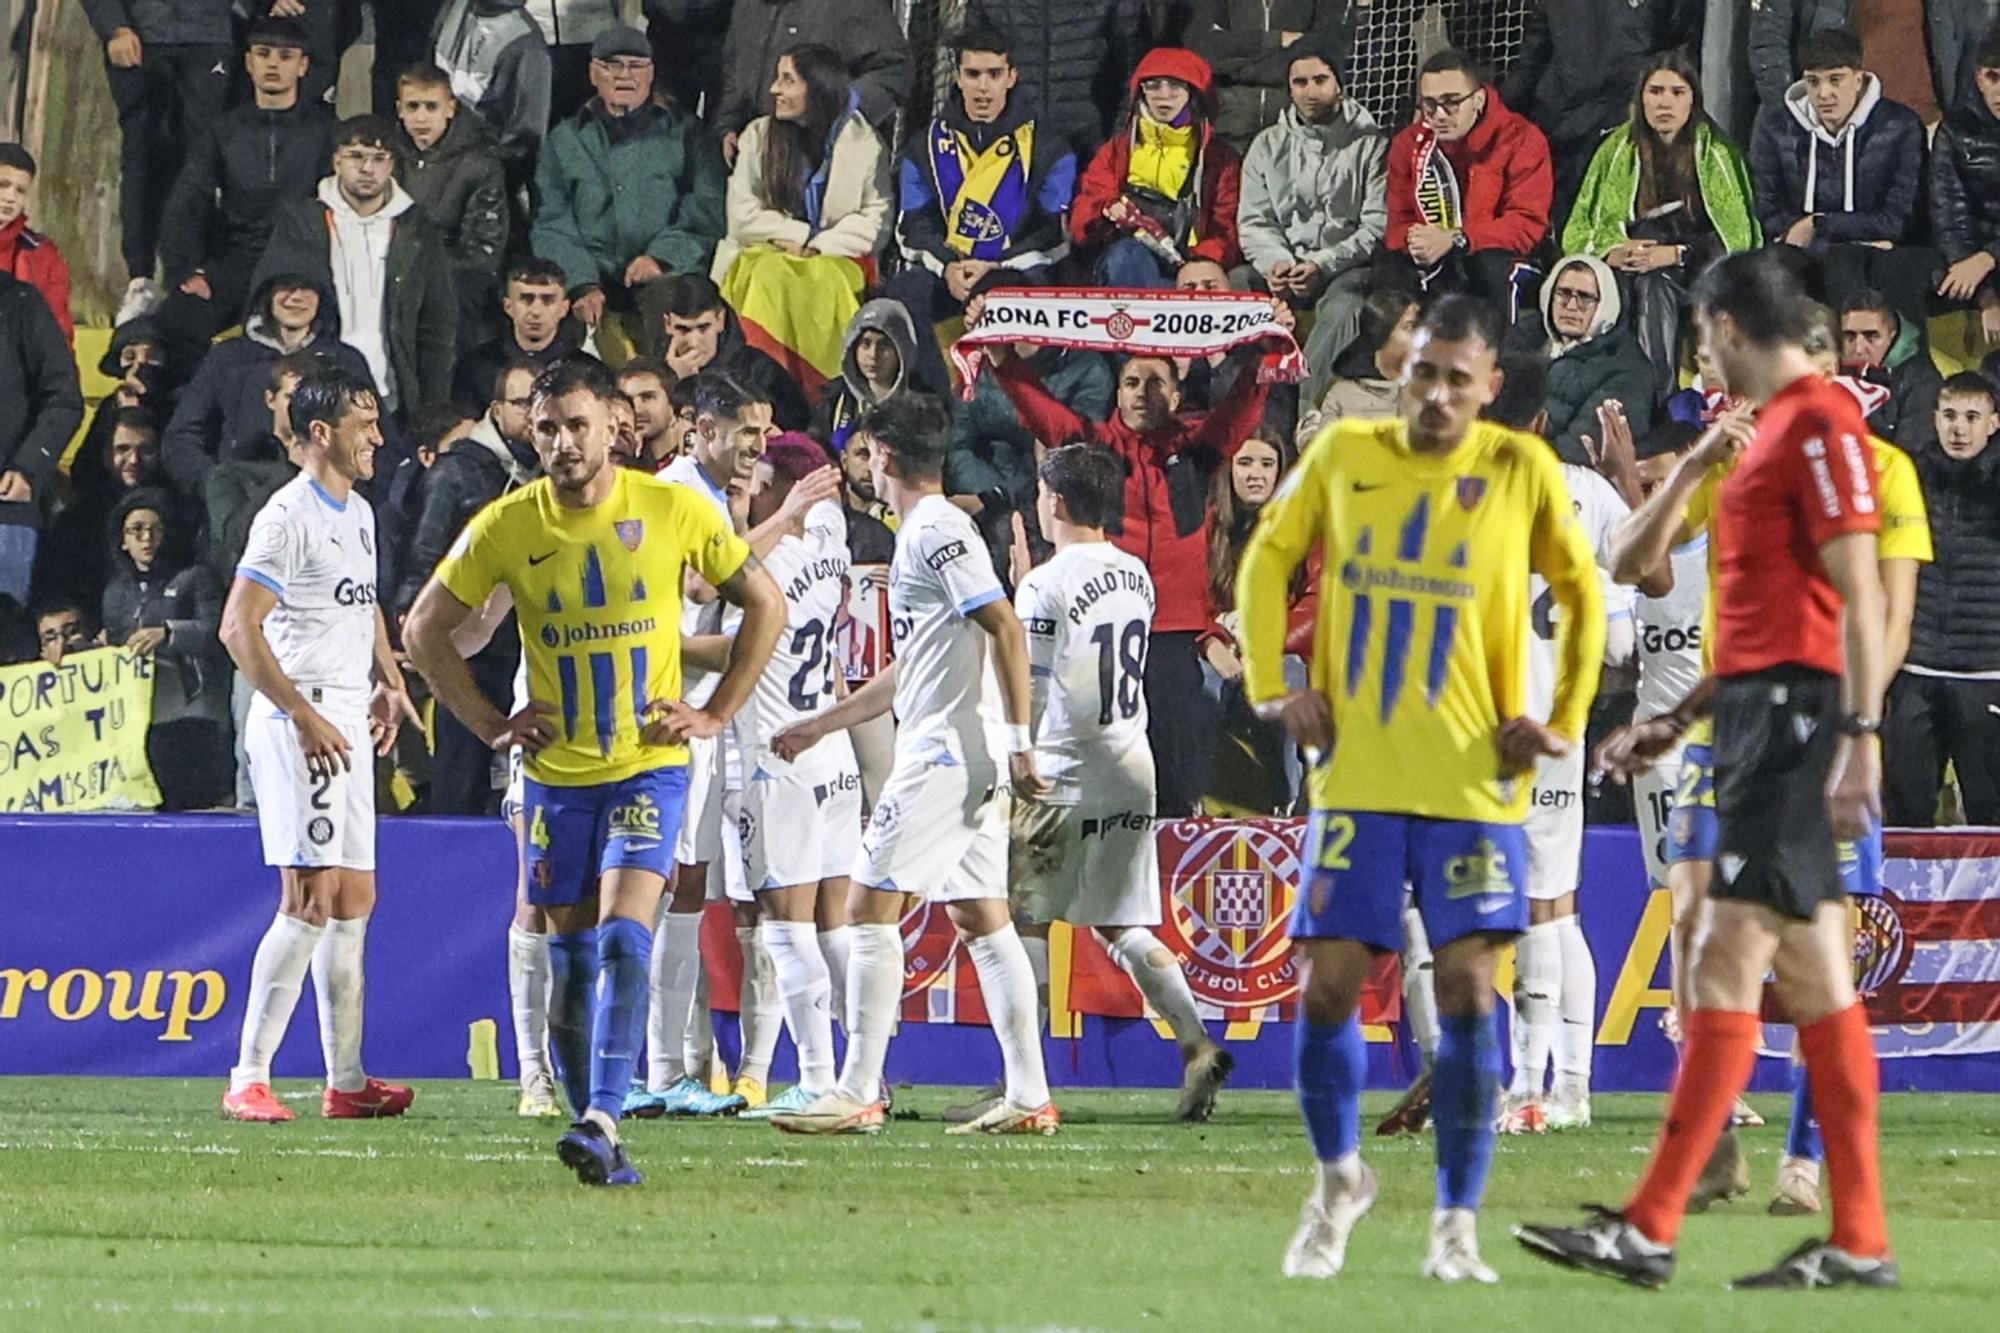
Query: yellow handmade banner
point(73, 737)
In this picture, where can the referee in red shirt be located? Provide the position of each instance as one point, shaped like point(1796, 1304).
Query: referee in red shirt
point(1798, 702)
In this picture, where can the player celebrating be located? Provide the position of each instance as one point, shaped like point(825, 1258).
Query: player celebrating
point(1434, 522)
point(1085, 852)
point(592, 557)
point(940, 827)
point(1799, 664)
point(304, 627)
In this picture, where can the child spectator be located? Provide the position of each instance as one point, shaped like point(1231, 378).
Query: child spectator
point(450, 168)
point(1367, 380)
point(24, 252)
point(876, 363)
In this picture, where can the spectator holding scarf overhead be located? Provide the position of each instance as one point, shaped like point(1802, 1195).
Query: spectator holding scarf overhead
point(1666, 194)
point(807, 211)
point(983, 190)
point(1166, 189)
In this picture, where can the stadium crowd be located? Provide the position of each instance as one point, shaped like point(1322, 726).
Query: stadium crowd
point(749, 188)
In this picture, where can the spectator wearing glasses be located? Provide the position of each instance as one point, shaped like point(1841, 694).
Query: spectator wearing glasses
point(571, 26)
point(364, 240)
point(1593, 357)
point(1470, 188)
point(121, 458)
point(632, 190)
point(24, 252)
point(65, 625)
point(501, 71)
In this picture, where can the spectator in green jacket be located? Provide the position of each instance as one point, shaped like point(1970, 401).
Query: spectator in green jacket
point(1666, 194)
point(631, 188)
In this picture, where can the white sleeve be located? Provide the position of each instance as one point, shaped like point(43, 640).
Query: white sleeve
point(826, 529)
point(1043, 628)
point(271, 554)
point(961, 566)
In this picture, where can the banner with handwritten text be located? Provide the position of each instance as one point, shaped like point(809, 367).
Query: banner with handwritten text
point(73, 737)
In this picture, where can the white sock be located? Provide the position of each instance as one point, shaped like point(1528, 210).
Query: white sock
point(276, 974)
point(1419, 995)
point(340, 984)
point(874, 993)
point(528, 980)
point(799, 970)
point(1340, 1177)
point(670, 994)
point(1007, 984)
point(1577, 1043)
point(1537, 1011)
point(1037, 947)
point(1159, 978)
point(698, 1039)
point(835, 945)
point(758, 1008)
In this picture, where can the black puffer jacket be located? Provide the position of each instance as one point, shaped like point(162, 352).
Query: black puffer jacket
point(1957, 625)
point(461, 186)
point(191, 676)
point(1243, 42)
point(241, 170)
point(166, 22)
point(1952, 29)
point(1965, 181)
point(1580, 58)
point(477, 471)
point(41, 404)
point(1864, 182)
point(1075, 58)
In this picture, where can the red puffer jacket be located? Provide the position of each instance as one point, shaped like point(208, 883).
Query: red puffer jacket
point(1504, 179)
point(1219, 175)
point(34, 259)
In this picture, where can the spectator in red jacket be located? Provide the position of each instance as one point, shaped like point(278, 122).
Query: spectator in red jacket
point(25, 253)
point(1165, 190)
point(1169, 462)
point(1470, 187)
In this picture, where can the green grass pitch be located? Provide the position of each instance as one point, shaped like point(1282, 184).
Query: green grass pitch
point(130, 1204)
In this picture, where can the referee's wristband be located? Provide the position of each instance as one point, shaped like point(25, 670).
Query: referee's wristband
point(1019, 739)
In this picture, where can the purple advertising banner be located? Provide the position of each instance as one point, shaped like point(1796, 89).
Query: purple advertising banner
point(130, 938)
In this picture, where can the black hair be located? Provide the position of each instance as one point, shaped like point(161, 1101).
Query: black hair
point(423, 74)
point(1451, 60)
point(535, 271)
point(1330, 56)
point(576, 374)
point(1381, 312)
point(1869, 300)
point(689, 295)
point(15, 156)
point(1667, 437)
point(277, 30)
point(1524, 387)
point(1988, 55)
point(429, 425)
point(648, 365)
point(680, 394)
point(367, 131)
point(1454, 317)
point(1830, 48)
point(911, 426)
point(1759, 294)
point(58, 600)
point(136, 418)
point(513, 365)
point(1173, 367)
point(326, 395)
point(1089, 480)
point(980, 38)
point(794, 149)
point(1970, 384)
point(298, 365)
point(720, 394)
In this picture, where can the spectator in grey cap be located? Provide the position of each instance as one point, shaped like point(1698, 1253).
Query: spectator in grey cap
point(631, 191)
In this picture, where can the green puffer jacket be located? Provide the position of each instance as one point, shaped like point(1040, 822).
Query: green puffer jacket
point(1604, 206)
point(653, 189)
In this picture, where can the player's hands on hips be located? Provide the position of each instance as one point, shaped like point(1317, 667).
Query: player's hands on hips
point(1632, 749)
point(675, 722)
point(388, 709)
point(532, 729)
point(1305, 715)
point(1021, 772)
point(326, 750)
point(1522, 741)
point(1854, 788)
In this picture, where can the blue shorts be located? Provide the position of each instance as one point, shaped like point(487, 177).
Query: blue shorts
point(1691, 832)
point(1466, 878)
point(1861, 864)
point(576, 834)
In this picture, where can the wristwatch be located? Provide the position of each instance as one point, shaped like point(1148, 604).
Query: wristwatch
point(1854, 724)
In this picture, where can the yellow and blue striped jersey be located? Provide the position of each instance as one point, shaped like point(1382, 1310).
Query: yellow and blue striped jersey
point(1421, 645)
point(598, 595)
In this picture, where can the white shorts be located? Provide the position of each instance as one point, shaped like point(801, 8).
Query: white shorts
point(1653, 807)
point(700, 840)
point(1087, 865)
point(939, 831)
point(797, 830)
point(306, 822)
point(1555, 827)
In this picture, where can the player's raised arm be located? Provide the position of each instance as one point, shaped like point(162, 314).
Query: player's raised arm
point(242, 633)
point(1648, 535)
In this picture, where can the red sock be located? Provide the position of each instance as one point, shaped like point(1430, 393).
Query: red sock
point(1716, 1062)
point(1840, 1066)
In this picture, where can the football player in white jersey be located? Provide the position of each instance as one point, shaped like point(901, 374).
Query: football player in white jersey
point(303, 626)
point(1085, 853)
point(961, 692)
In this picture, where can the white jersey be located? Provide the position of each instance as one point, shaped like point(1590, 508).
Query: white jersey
point(826, 528)
point(1599, 510)
point(318, 555)
point(798, 682)
point(697, 687)
point(1087, 613)
point(945, 687)
point(1669, 633)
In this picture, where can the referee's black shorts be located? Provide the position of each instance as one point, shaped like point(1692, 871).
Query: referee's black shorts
point(1775, 737)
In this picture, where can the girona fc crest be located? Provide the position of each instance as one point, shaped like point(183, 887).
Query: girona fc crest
point(1119, 325)
point(1230, 889)
point(1881, 945)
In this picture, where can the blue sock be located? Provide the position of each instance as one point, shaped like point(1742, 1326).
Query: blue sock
point(624, 953)
point(1802, 1139)
point(1332, 1066)
point(573, 976)
point(1465, 1084)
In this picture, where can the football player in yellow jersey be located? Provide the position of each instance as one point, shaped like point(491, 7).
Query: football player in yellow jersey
point(1430, 525)
point(593, 556)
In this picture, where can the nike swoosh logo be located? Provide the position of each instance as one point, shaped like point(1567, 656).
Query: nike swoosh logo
point(534, 560)
point(1361, 486)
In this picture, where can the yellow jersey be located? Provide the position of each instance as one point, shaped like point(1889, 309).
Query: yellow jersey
point(598, 595)
point(1421, 644)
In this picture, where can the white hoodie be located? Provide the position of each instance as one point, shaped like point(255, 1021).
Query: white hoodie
point(358, 254)
point(1610, 302)
point(1799, 102)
